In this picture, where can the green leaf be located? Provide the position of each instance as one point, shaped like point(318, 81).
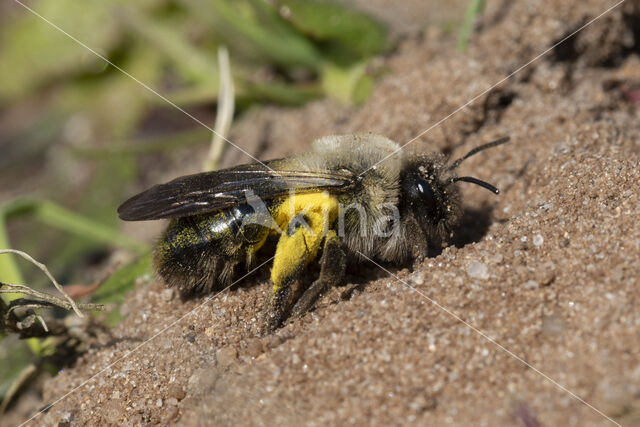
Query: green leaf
point(33, 52)
point(115, 289)
point(255, 28)
point(14, 357)
point(194, 64)
point(122, 281)
point(56, 216)
point(349, 85)
point(113, 104)
point(326, 21)
point(9, 271)
point(280, 93)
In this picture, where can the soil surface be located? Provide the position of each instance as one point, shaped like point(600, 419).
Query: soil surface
point(530, 317)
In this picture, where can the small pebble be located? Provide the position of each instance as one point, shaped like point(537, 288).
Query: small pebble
point(254, 347)
point(478, 270)
point(538, 240)
point(562, 147)
point(112, 410)
point(171, 414)
point(167, 294)
point(226, 356)
point(545, 275)
point(531, 284)
point(176, 391)
point(553, 325)
point(275, 341)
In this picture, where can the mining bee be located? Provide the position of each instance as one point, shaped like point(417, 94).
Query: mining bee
point(349, 196)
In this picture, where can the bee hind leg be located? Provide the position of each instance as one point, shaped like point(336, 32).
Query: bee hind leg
point(332, 267)
point(296, 248)
point(280, 302)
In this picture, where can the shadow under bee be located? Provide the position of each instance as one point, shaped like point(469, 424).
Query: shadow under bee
point(474, 225)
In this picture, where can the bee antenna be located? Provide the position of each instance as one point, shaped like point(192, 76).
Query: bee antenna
point(476, 150)
point(477, 181)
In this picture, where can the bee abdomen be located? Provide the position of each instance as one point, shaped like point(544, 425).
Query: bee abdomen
point(199, 254)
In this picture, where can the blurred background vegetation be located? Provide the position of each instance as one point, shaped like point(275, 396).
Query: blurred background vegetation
point(76, 134)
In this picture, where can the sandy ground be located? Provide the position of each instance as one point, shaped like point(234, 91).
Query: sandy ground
point(531, 317)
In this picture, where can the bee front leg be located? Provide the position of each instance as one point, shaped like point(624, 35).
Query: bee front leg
point(332, 267)
point(417, 239)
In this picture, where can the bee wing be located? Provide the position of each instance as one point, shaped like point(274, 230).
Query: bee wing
point(214, 191)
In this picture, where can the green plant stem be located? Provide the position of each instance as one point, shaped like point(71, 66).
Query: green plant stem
point(10, 272)
point(474, 9)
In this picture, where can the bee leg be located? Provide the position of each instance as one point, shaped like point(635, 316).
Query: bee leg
point(277, 310)
point(296, 248)
point(332, 267)
point(418, 240)
point(281, 292)
point(280, 299)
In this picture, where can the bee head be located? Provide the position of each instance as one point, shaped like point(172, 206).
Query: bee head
point(430, 192)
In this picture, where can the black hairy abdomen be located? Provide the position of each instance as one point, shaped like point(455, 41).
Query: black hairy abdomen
point(200, 254)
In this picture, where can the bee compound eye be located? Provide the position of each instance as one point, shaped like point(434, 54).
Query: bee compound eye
point(428, 198)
